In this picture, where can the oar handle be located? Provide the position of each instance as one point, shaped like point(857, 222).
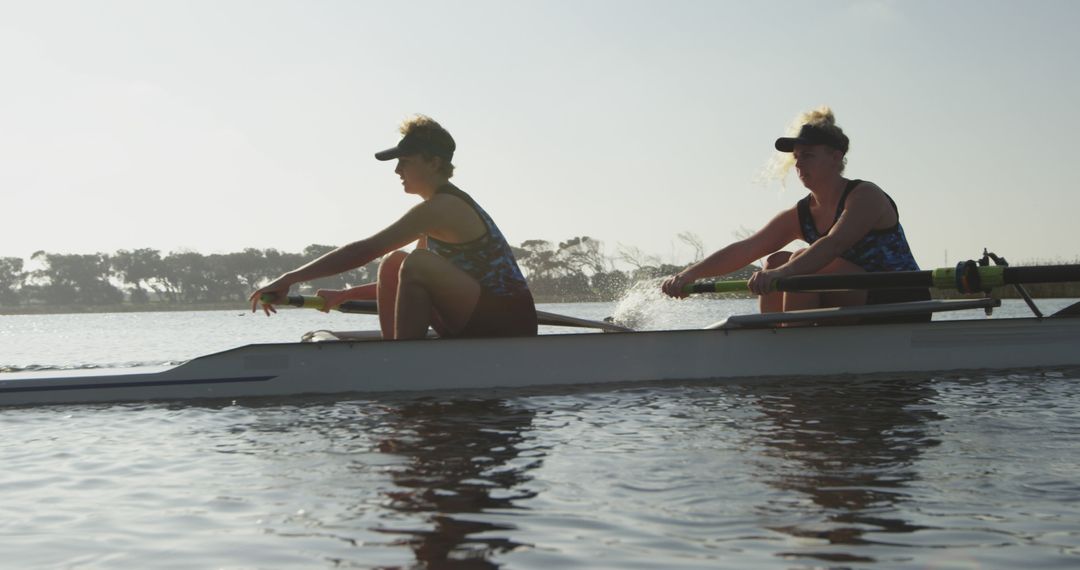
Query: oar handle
point(300, 301)
point(318, 303)
point(716, 287)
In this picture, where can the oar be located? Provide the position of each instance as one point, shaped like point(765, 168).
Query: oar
point(965, 278)
point(371, 308)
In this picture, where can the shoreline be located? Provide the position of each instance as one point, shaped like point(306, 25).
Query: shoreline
point(160, 308)
point(118, 308)
point(1059, 293)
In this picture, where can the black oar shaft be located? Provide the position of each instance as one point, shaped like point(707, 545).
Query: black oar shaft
point(883, 280)
point(1041, 274)
point(362, 307)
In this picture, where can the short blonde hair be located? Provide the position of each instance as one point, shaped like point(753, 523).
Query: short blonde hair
point(823, 118)
point(425, 128)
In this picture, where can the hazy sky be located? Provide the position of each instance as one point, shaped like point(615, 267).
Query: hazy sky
point(219, 125)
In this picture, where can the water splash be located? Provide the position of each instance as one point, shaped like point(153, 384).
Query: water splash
point(644, 306)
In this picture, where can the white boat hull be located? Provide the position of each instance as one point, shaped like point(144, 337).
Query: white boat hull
point(341, 367)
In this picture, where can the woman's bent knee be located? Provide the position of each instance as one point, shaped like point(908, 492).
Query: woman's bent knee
point(416, 265)
point(394, 257)
point(391, 264)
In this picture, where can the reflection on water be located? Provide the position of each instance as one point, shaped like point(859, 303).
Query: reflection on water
point(462, 457)
point(943, 472)
point(419, 472)
point(851, 449)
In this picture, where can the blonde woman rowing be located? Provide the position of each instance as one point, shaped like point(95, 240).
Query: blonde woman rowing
point(462, 278)
point(849, 226)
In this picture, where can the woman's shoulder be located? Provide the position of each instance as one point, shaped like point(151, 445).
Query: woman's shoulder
point(455, 217)
point(869, 200)
point(865, 191)
point(442, 199)
point(452, 195)
point(438, 210)
point(863, 186)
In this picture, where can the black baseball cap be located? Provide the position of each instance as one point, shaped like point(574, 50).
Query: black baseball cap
point(811, 134)
point(412, 144)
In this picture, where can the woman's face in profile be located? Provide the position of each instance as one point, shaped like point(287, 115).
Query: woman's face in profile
point(814, 162)
point(417, 173)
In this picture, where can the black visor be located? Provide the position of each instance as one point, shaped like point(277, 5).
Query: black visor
point(411, 145)
point(809, 135)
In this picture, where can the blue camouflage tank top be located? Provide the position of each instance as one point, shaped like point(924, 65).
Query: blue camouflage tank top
point(886, 249)
point(488, 258)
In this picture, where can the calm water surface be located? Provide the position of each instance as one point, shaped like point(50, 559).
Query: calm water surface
point(941, 471)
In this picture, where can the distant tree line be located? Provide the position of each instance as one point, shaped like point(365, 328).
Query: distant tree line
point(573, 270)
point(145, 276)
point(577, 269)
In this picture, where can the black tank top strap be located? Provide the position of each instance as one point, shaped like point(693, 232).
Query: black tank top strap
point(806, 221)
point(843, 197)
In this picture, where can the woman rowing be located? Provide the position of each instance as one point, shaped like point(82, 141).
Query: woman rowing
point(462, 278)
point(851, 226)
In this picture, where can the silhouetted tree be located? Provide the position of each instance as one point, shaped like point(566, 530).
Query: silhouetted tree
point(694, 241)
point(11, 279)
point(187, 276)
point(636, 258)
point(69, 279)
point(581, 254)
point(539, 259)
point(140, 269)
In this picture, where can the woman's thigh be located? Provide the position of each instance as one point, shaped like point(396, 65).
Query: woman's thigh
point(810, 300)
point(843, 298)
point(452, 291)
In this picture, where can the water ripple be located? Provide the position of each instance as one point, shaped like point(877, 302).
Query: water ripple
point(894, 472)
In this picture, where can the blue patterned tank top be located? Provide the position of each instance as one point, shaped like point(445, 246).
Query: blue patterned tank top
point(488, 258)
point(879, 250)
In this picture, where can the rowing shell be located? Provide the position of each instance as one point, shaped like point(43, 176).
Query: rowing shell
point(737, 352)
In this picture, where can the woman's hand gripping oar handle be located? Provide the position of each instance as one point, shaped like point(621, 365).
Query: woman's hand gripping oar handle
point(318, 303)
